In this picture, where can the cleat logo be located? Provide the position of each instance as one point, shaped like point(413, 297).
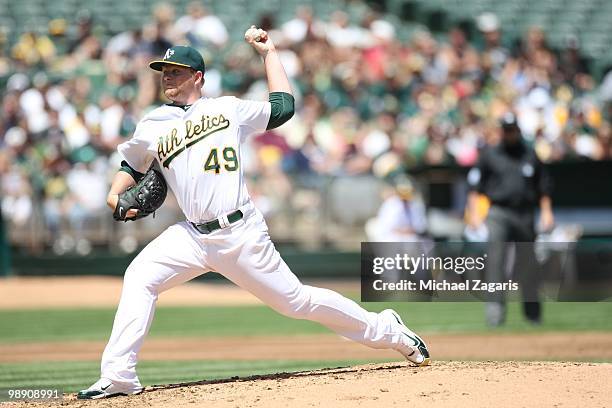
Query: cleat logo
point(416, 341)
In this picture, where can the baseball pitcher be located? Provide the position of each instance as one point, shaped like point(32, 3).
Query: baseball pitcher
point(194, 143)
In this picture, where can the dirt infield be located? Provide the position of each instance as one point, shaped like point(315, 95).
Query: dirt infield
point(66, 292)
point(25, 293)
point(443, 384)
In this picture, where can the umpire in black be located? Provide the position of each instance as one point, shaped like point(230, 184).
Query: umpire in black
point(515, 182)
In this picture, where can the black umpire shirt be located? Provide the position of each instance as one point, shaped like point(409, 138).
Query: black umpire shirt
point(510, 176)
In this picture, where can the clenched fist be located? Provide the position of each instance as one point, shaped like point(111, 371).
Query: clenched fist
point(259, 40)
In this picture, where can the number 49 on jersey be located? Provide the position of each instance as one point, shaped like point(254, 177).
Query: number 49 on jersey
point(229, 160)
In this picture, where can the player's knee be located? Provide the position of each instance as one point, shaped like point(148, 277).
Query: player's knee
point(135, 279)
point(296, 305)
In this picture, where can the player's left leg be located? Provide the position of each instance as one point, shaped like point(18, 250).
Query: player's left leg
point(246, 255)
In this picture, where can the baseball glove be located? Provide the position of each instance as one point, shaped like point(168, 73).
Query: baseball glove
point(146, 197)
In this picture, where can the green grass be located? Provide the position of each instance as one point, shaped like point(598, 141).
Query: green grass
point(73, 376)
point(95, 324)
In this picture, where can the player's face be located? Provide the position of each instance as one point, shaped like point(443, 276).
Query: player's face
point(178, 82)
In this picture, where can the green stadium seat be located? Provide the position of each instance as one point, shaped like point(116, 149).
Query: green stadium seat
point(588, 19)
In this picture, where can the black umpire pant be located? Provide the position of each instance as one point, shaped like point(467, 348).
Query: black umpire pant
point(506, 226)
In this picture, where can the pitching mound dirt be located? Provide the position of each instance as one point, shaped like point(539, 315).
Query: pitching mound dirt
point(443, 384)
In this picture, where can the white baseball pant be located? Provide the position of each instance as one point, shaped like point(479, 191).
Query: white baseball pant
point(243, 253)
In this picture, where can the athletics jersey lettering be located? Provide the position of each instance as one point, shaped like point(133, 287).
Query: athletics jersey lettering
point(206, 177)
point(171, 145)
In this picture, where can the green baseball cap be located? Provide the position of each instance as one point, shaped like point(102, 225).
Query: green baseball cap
point(183, 56)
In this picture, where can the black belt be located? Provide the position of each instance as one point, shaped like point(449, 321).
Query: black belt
point(210, 226)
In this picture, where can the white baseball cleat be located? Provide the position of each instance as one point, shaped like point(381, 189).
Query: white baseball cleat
point(105, 388)
point(412, 347)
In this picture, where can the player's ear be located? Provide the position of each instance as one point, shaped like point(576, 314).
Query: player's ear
point(199, 77)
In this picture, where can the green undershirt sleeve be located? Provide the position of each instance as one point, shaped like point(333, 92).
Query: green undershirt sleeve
point(129, 170)
point(283, 107)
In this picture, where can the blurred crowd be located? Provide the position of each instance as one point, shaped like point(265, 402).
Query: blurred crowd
point(367, 102)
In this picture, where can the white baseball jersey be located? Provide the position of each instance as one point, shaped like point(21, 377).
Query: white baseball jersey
point(198, 151)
